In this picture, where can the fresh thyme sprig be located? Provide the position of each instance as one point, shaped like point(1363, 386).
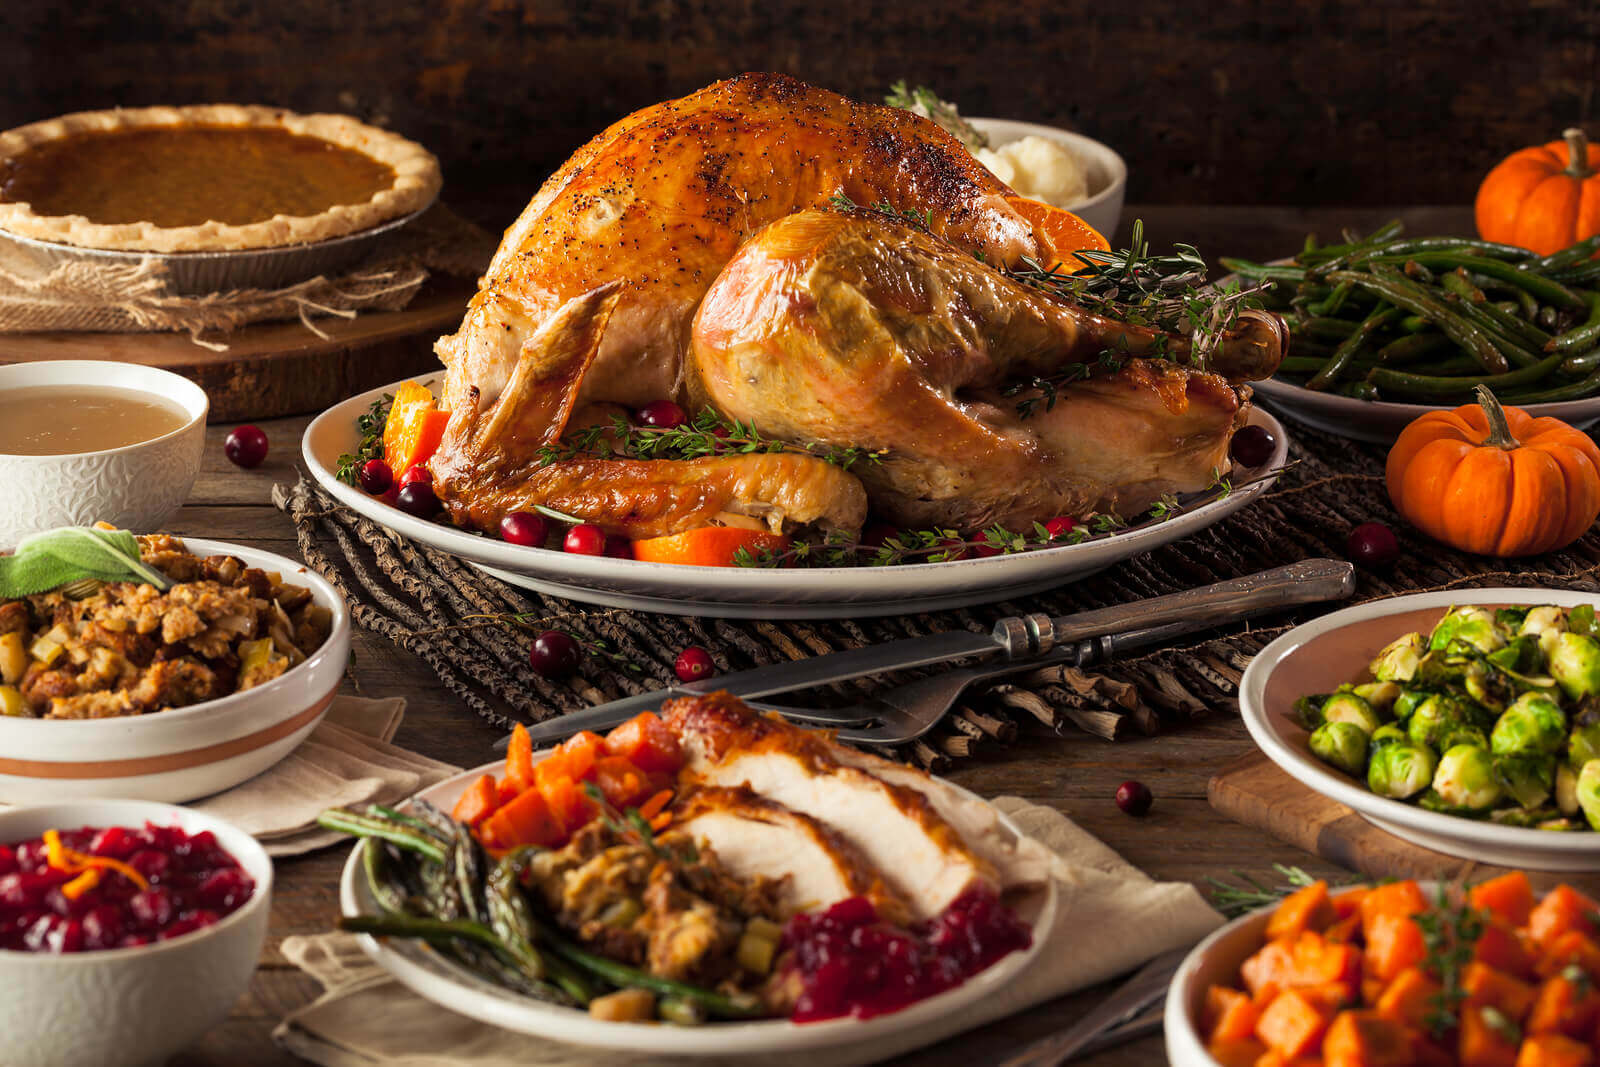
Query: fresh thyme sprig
point(1450, 930)
point(708, 433)
point(921, 220)
point(927, 103)
point(370, 426)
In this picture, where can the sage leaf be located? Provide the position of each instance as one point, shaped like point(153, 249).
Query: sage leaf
point(54, 558)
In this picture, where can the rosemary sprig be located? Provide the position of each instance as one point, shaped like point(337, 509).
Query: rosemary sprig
point(1449, 931)
point(1234, 900)
point(708, 433)
point(370, 426)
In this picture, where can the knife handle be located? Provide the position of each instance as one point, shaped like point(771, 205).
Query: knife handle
point(1306, 582)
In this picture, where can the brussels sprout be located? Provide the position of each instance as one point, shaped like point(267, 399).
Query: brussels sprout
point(1465, 778)
point(1380, 696)
point(1387, 734)
point(1575, 665)
point(1473, 625)
point(1589, 792)
point(1526, 777)
point(1398, 660)
point(1341, 744)
point(1308, 710)
point(1583, 744)
point(1463, 735)
point(1401, 770)
point(1545, 624)
point(1510, 619)
point(1522, 816)
point(1520, 656)
point(1347, 707)
point(1436, 717)
point(1444, 669)
point(1490, 687)
point(1407, 702)
point(1581, 620)
point(1566, 789)
point(1560, 825)
point(1534, 724)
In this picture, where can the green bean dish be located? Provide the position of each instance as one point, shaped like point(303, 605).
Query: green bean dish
point(1493, 715)
point(1428, 319)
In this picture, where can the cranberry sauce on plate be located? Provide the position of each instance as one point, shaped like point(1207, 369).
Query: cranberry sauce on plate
point(90, 888)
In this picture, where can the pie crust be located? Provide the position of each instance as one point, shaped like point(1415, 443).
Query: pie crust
point(416, 182)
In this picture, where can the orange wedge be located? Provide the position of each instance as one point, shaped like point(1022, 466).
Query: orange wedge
point(1065, 232)
point(709, 546)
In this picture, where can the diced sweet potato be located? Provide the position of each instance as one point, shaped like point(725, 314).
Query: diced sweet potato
point(1229, 1014)
point(1486, 986)
point(478, 802)
point(1553, 1050)
point(1481, 1045)
point(1345, 931)
point(1508, 898)
point(1366, 1039)
point(1347, 902)
point(1241, 1053)
point(1307, 908)
point(1565, 1007)
point(1394, 942)
point(1505, 949)
point(1401, 899)
point(1405, 999)
point(1561, 910)
point(1292, 1024)
point(1273, 964)
point(1315, 963)
point(1570, 949)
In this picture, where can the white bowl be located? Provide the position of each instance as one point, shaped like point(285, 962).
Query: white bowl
point(136, 487)
point(187, 752)
point(1107, 173)
point(1319, 655)
point(133, 1006)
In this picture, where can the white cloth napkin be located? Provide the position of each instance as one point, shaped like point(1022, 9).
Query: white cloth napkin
point(347, 760)
point(1111, 918)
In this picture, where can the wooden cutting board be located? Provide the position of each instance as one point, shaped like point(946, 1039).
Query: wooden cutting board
point(277, 368)
point(1252, 790)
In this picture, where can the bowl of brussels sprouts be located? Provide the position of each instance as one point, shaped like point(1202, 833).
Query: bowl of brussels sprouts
point(1467, 722)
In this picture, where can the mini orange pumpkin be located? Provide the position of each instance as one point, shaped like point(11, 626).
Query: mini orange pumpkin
point(1495, 481)
point(1544, 198)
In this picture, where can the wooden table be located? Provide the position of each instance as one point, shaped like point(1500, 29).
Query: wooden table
point(1181, 838)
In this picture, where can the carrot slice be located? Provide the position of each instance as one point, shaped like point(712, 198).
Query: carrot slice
point(653, 807)
point(580, 752)
point(1305, 909)
point(647, 743)
point(524, 821)
point(478, 802)
point(708, 546)
point(519, 759)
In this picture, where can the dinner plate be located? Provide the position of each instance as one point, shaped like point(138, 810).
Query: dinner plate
point(1320, 655)
point(1380, 421)
point(749, 592)
point(451, 986)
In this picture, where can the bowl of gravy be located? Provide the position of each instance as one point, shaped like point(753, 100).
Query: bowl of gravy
point(85, 441)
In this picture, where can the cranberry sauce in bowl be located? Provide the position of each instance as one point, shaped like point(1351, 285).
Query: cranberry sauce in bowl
point(97, 888)
point(850, 963)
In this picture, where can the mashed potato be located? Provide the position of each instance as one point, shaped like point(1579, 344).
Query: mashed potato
point(1038, 168)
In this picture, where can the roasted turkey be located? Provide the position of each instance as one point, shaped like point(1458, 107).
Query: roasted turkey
point(685, 254)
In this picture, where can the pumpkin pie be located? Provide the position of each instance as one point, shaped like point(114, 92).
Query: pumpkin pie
point(206, 178)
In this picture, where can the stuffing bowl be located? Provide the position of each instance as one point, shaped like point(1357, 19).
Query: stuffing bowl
point(135, 1005)
point(186, 752)
point(136, 487)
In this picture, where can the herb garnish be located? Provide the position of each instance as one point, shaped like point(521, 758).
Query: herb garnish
point(1449, 932)
point(69, 554)
point(919, 220)
point(1235, 900)
point(927, 103)
point(707, 434)
point(370, 426)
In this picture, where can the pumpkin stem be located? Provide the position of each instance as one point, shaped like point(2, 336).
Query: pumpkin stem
point(1577, 153)
point(1499, 429)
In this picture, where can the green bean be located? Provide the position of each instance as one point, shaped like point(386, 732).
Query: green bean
point(381, 811)
point(1546, 289)
point(1513, 324)
point(466, 864)
point(1580, 338)
point(622, 976)
point(1418, 272)
point(1439, 385)
point(1263, 270)
point(1579, 275)
point(1573, 391)
point(1322, 327)
point(417, 926)
point(1570, 256)
point(1409, 246)
point(1413, 347)
point(1335, 301)
point(1583, 364)
point(1415, 324)
point(510, 919)
point(1549, 318)
point(1512, 346)
point(1309, 365)
point(1346, 352)
point(1396, 289)
point(1358, 390)
point(348, 822)
point(372, 865)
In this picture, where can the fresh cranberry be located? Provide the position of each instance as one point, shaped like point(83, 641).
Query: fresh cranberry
point(693, 664)
point(153, 908)
point(1060, 526)
point(1373, 545)
point(31, 855)
point(721, 431)
point(416, 473)
point(102, 927)
point(662, 415)
point(525, 528)
point(585, 540)
point(225, 889)
point(151, 863)
point(418, 499)
point(8, 861)
point(1134, 798)
point(618, 547)
point(554, 654)
point(375, 477)
point(115, 842)
point(1253, 446)
point(245, 446)
point(391, 496)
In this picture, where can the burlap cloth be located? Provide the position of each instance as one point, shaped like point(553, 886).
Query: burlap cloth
point(133, 297)
point(1110, 918)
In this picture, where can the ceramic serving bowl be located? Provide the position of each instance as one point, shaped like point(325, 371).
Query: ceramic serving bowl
point(187, 752)
point(1322, 654)
point(136, 487)
point(1107, 173)
point(134, 1006)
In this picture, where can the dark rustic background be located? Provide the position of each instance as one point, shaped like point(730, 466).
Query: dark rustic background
point(1232, 102)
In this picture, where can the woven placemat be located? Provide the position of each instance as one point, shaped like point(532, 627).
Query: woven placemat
point(473, 630)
